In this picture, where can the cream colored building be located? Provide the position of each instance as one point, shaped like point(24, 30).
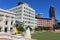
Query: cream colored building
point(25, 14)
point(7, 19)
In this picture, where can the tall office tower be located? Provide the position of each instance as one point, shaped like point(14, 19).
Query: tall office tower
point(25, 14)
point(52, 12)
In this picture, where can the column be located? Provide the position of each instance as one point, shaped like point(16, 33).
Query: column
point(9, 24)
point(13, 25)
point(3, 24)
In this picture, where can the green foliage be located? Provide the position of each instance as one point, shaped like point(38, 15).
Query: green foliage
point(37, 29)
point(45, 28)
point(29, 28)
point(20, 28)
point(41, 28)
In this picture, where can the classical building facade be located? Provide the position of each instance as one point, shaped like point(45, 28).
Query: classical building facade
point(7, 19)
point(25, 14)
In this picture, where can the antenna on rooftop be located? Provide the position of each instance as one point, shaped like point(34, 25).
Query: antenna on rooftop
point(20, 2)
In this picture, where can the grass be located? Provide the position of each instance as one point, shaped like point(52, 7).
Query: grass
point(46, 36)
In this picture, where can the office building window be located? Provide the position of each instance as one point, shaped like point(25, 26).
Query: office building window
point(20, 10)
point(12, 17)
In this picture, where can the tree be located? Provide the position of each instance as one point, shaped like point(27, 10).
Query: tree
point(20, 28)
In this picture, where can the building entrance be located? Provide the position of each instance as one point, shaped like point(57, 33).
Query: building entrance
point(5, 29)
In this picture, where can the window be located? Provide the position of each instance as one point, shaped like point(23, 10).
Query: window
point(11, 29)
point(16, 12)
point(7, 16)
point(24, 7)
point(6, 22)
point(12, 17)
point(19, 8)
point(5, 29)
point(26, 11)
point(19, 14)
point(19, 17)
point(1, 15)
point(20, 11)
point(0, 29)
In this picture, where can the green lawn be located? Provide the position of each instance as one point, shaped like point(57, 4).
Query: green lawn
point(46, 36)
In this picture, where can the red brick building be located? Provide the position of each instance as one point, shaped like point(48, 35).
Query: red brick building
point(45, 22)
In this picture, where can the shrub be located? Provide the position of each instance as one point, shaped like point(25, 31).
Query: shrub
point(45, 28)
point(41, 28)
point(20, 28)
point(37, 28)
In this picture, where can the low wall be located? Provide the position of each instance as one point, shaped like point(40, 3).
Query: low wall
point(4, 36)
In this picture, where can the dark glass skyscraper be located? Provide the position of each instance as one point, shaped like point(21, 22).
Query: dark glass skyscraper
point(52, 12)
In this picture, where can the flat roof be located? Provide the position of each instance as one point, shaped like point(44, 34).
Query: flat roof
point(43, 18)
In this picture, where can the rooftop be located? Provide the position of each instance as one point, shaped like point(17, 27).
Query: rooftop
point(43, 18)
point(19, 3)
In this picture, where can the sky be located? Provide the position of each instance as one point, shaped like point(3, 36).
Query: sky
point(40, 6)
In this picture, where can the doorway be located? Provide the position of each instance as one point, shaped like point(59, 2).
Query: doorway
point(6, 29)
